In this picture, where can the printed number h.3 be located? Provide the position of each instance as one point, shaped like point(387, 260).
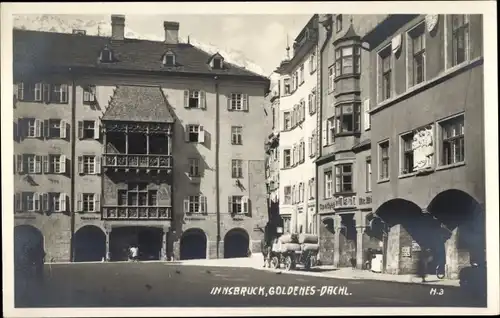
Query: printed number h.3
point(436, 291)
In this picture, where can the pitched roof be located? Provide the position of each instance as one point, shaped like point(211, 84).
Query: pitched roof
point(138, 103)
point(51, 49)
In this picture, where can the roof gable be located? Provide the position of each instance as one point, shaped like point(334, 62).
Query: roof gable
point(138, 103)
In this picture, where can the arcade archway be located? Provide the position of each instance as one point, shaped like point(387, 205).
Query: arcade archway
point(147, 239)
point(347, 241)
point(409, 230)
point(193, 245)
point(90, 244)
point(28, 244)
point(236, 243)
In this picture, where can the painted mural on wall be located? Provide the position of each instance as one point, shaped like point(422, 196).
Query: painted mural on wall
point(423, 148)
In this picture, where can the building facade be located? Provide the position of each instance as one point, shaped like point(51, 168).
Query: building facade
point(298, 134)
point(122, 141)
point(398, 93)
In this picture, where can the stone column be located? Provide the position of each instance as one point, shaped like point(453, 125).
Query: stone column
point(164, 247)
point(337, 222)
point(451, 248)
point(359, 246)
point(107, 231)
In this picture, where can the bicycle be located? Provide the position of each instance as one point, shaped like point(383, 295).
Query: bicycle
point(440, 273)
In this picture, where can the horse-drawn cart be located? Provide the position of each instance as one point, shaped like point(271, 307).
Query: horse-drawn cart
point(292, 250)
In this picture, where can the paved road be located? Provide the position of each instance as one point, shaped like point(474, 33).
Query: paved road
point(171, 285)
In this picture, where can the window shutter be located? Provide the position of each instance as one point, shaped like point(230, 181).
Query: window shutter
point(230, 204)
point(186, 205)
point(203, 102)
point(324, 131)
point(97, 129)
point(38, 128)
point(45, 202)
point(244, 202)
point(80, 164)
point(20, 164)
point(229, 102)
point(203, 204)
point(21, 129)
point(80, 129)
point(46, 167)
point(62, 202)
point(18, 202)
point(79, 203)
point(303, 109)
point(186, 133)
point(46, 93)
point(186, 98)
point(282, 121)
point(201, 135)
point(20, 91)
point(97, 202)
point(62, 164)
point(244, 101)
point(62, 129)
point(38, 164)
point(46, 129)
point(97, 162)
point(366, 109)
point(36, 199)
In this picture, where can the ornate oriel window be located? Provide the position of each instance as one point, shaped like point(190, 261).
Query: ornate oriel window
point(347, 60)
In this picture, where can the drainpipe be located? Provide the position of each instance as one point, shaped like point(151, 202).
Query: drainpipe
point(72, 169)
point(319, 114)
point(217, 150)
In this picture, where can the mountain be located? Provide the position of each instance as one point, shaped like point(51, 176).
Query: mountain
point(61, 24)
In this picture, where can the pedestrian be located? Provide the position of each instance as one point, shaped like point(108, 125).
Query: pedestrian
point(423, 263)
point(135, 253)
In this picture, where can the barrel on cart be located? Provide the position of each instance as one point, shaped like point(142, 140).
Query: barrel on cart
point(291, 250)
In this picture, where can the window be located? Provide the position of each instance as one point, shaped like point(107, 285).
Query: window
point(368, 175)
point(194, 204)
point(195, 133)
point(347, 118)
point(312, 189)
point(236, 138)
point(301, 192)
point(295, 80)
point(33, 163)
point(88, 129)
point(88, 202)
point(287, 195)
point(314, 143)
point(89, 164)
point(302, 151)
point(460, 38)
point(312, 62)
point(330, 138)
point(287, 119)
point(301, 74)
point(32, 127)
point(286, 84)
point(237, 168)
point(347, 60)
point(417, 50)
point(194, 167)
point(302, 110)
point(217, 63)
point(89, 94)
point(312, 102)
point(407, 155)
point(328, 184)
point(57, 164)
point(59, 93)
point(194, 99)
point(106, 55)
point(331, 79)
point(453, 143)
point(338, 22)
point(238, 102)
point(238, 204)
point(287, 158)
point(54, 128)
point(287, 224)
point(366, 112)
point(384, 160)
point(138, 194)
point(169, 59)
point(343, 178)
point(32, 201)
point(386, 71)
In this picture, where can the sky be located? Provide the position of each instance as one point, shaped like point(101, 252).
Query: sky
point(261, 38)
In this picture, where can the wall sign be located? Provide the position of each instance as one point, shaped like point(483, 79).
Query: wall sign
point(431, 21)
point(405, 251)
point(396, 43)
point(415, 246)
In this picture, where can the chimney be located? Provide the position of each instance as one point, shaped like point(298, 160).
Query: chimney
point(171, 32)
point(117, 27)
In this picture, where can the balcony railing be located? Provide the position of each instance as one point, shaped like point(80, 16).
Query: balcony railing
point(123, 212)
point(137, 161)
